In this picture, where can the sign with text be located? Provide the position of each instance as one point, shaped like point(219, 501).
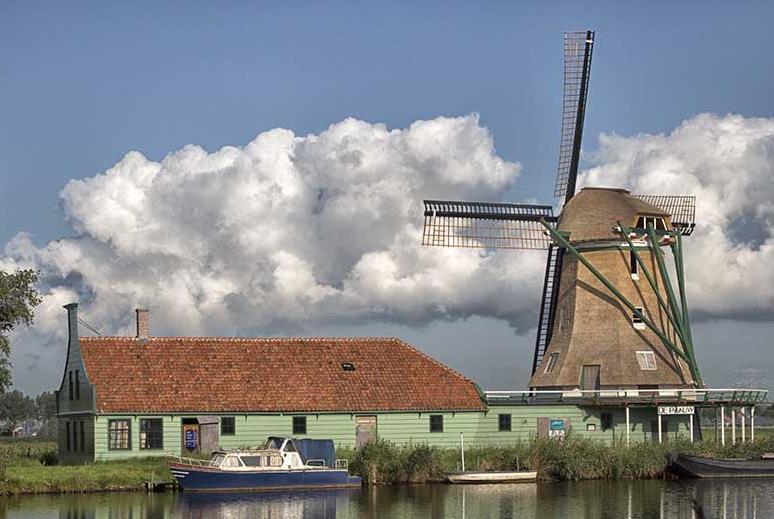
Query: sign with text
point(556, 428)
point(675, 409)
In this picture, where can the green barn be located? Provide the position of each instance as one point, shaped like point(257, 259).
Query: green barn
point(151, 396)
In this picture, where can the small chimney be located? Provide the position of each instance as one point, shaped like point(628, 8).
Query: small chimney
point(72, 321)
point(143, 323)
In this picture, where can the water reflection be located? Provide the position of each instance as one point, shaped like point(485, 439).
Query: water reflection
point(729, 499)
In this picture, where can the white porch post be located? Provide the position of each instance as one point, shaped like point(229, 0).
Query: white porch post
point(627, 426)
point(733, 426)
point(743, 413)
point(752, 423)
point(691, 425)
point(722, 425)
point(659, 428)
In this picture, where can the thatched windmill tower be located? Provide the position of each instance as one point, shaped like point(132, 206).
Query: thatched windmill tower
point(610, 316)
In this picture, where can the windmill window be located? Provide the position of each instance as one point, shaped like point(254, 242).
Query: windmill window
point(633, 266)
point(551, 363)
point(657, 223)
point(637, 322)
point(646, 360)
point(347, 366)
point(83, 438)
point(77, 385)
point(70, 392)
point(69, 443)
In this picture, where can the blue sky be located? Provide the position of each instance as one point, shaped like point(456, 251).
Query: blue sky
point(83, 83)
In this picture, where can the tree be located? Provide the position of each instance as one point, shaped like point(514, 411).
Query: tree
point(18, 299)
point(15, 408)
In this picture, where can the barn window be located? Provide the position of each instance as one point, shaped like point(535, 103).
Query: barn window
point(299, 425)
point(646, 360)
point(637, 322)
point(70, 376)
point(551, 362)
point(151, 434)
point(77, 385)
point(503, 422)
point(436, 423)
point(69, 442)
point(227, 426)
point(83, 439)
point(75, 436)
point(633, 266)
point(606, 420)
point(118, 435)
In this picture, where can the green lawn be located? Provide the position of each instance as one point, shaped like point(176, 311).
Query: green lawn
point(30, 467)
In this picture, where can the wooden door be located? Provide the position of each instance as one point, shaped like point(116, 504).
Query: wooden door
point(365, 430)
point(590, 378)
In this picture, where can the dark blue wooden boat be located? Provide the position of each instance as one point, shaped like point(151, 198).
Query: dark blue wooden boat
point(701, 467)
point(280, 465)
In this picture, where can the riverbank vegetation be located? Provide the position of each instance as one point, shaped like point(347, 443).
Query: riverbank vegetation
point(574, 458)
point(31, 466)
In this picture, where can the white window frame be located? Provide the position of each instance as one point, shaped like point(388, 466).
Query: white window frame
point(647, 360)
point(553, 358)
point(637, 323)
point(634, 266)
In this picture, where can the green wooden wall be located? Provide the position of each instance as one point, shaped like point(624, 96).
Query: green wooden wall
point(479, 428)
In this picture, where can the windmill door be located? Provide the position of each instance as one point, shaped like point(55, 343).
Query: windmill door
point(590, 378)
point(365, 430)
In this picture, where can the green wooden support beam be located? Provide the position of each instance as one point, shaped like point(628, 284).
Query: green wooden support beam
point(602, 279)
point(625, 234)
point(659, 255)
point(677, 250)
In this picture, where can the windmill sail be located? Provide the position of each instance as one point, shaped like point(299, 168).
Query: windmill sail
point(486, 225)
point(578, 47)
point(681, 209)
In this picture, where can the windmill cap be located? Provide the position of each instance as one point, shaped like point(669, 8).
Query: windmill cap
point(592, 214)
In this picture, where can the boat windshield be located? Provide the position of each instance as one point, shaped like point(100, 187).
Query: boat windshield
point(251, 461)
point(216, 460)
point(274, 443)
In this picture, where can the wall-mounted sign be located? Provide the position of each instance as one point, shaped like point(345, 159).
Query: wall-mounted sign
point(556, 428)
point(675, 409)
point(191, 438)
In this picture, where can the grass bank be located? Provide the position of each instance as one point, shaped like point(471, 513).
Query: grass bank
point(30, 467)
point(575, 458)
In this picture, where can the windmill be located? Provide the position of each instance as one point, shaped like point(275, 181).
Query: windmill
point(610, 316)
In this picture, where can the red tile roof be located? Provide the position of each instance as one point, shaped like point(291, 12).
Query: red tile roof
point(209, 374)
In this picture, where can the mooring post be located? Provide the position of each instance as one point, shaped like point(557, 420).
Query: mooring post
point(462, 449)
point(722, 425)
point(627, 426)
point(659, 428)
point(733, 426)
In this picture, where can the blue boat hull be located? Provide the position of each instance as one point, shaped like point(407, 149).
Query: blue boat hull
point(193, 478)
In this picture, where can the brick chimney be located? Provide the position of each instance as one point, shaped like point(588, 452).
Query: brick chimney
point(143, 323)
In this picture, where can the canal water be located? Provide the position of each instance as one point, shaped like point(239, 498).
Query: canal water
point(586, 499)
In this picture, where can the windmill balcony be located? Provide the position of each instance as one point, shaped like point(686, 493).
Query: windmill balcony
point(701, 397)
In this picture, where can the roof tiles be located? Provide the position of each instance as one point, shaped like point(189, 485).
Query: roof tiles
point(210, 374)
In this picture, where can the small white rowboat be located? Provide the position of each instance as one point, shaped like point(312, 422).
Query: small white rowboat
point(491, 477)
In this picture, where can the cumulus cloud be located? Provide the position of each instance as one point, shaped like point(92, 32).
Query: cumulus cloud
point(283, 233)
point(728, 164)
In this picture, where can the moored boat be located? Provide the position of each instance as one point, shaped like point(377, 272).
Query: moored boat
point(702, 467)
point(282, 463)
point(491, 477)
